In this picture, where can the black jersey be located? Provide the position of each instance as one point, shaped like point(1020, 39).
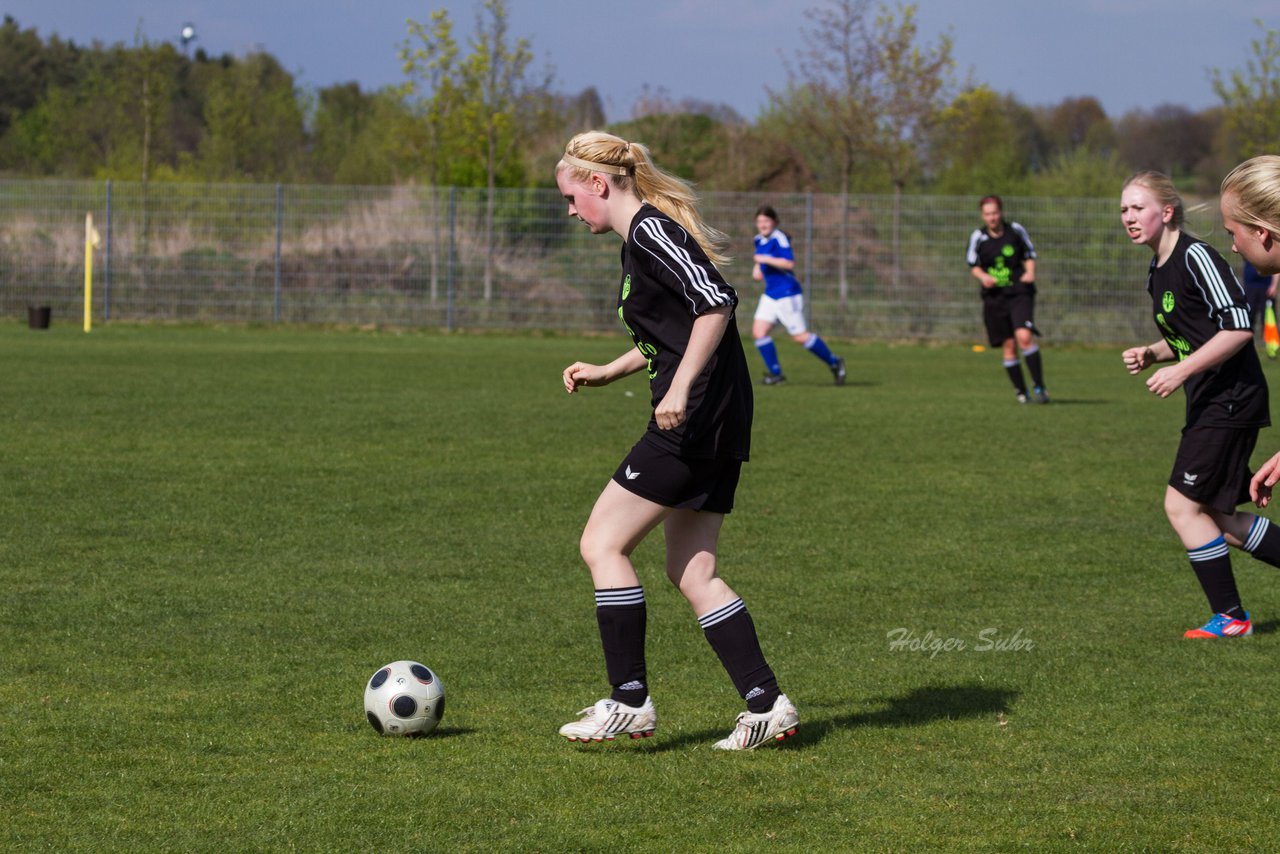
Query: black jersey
point(1001, 257)
point(667, 281)
point(1195, 295)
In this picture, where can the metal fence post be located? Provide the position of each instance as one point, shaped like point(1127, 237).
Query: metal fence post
point(808, 243)
point(106, 266)
point(275, 316)
point(449, 259)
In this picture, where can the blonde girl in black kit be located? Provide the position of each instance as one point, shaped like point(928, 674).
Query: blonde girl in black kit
point(682, 474)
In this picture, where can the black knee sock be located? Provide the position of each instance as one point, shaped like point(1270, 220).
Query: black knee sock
point(1263, 541)
point(732, 634)
point(1212, 565)
point(621, 615)
point(1032, 357)
point(1014, 369)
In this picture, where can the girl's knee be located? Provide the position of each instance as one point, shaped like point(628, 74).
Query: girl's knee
point(596, 548)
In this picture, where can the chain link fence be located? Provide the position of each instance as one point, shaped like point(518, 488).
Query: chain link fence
point(875, 267)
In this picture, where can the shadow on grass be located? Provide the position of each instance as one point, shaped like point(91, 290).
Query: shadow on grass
point(1078, 401)
point(915, 708)
point(1267, 628)
point(849, 383)
point(450, 732)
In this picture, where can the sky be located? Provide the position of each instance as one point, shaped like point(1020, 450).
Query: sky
point(1129, 54)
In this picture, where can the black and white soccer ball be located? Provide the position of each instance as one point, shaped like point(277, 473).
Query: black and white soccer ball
point(404, 698)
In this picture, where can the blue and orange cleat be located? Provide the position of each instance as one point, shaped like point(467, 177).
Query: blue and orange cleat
point(1222, 626)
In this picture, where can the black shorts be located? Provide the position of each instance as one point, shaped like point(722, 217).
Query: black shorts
point(662, 477)
point(1212, 466)
point(1006, 310)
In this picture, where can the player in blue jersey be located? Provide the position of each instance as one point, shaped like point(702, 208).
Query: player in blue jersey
point(782, 300)
point(1203, 319)
point(682, 474)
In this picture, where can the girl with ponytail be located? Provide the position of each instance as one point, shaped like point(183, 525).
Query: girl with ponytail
point(683, 473)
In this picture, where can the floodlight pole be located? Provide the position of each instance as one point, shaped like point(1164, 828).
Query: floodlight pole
point(187, 34)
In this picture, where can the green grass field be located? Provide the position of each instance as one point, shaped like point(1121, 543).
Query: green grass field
point(212, 537)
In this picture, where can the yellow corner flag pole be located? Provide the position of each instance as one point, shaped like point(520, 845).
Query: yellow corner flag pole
point(91, 240)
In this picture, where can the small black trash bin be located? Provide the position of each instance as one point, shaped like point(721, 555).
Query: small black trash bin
point(38, 316)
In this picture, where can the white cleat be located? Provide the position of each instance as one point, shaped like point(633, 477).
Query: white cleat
point(608, 719)
point(752, 730)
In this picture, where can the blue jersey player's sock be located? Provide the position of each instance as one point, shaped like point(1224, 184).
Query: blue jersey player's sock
point(621, 616)
point(819, 348)
point(1212, 565)
point(769, 352)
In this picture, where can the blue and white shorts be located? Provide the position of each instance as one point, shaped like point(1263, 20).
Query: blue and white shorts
point(789, 311)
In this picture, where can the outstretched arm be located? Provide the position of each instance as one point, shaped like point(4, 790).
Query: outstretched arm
point(581, 374)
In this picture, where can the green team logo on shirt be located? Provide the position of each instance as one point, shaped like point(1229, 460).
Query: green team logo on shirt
point(626, 286)
point(648, 350)
point(1181, 346)
point(1166, 301)
point(999, 271)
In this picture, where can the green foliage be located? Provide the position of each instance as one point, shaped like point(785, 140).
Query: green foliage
point(194, 598)
point(980, 146)
point(1252, 97)
point(684, 144)
point(255, 126)
point(1077, 123)
point(358, 138)
point(475, 108)
point(867, 108)
point(865, 93)
point(1081, 173)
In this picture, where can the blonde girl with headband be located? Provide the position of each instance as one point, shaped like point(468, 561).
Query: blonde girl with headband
point(683, 473)
point(1205, 328)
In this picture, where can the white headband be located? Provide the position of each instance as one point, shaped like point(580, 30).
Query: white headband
point(595, 167)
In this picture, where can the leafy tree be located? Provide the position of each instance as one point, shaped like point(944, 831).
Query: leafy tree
point(255, 123)
point(356, 136)
point(1252, 98)
point(1170, 138)
point(22, 70)
point(437, 100)
point(584, 111)
point(866, 93)
point(481, 105)
point(143, 96)
point(507, 104)
point(982, 145)
point(1078, 123)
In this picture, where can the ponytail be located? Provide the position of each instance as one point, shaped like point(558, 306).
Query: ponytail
point(630, 168)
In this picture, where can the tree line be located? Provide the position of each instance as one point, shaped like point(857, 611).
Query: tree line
point(868, 107)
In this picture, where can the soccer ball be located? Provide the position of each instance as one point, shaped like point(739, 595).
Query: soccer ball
point(404, 698)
